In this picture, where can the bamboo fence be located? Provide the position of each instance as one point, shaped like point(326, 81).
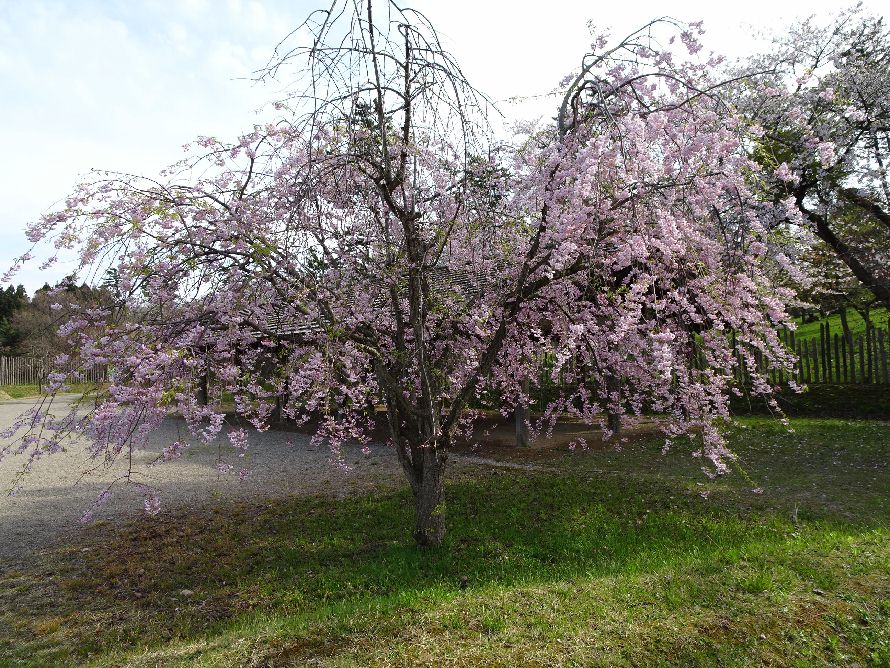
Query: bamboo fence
point(33, 371)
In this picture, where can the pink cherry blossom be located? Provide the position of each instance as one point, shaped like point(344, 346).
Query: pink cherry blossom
point(365, 252)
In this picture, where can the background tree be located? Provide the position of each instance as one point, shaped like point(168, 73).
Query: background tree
point(830, 286)
point(37, 323)
point(822, 136)
point(375, 246)
point(11, 300)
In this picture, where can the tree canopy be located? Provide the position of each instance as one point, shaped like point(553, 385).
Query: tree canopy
point(376, 246)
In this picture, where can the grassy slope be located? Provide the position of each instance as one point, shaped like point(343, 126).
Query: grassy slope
point(28, 391)
point(21, 391)
point(879, 318)
point(617, 560)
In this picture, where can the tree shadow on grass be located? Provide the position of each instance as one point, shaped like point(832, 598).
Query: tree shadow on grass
point(317, 561)
point(863, 402)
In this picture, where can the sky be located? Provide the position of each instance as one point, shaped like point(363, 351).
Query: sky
point(124, 84)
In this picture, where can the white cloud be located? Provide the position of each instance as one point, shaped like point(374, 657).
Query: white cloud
point(194, 8)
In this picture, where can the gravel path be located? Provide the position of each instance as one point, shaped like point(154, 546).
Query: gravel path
point(55, 494)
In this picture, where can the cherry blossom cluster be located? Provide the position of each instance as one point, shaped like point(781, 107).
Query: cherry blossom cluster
point(320, 272)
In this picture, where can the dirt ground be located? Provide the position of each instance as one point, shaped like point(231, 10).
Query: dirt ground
point(495, 436)
point(56, 493)
point(281, 462)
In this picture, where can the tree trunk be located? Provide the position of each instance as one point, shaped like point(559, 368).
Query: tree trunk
point(203, 390)
point(521, 416)
point(429, 525)
point(848, 335)
point(613, 418)
point(865, 275)
point(422, 460)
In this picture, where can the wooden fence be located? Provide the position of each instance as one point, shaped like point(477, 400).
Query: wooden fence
point(829, 358)
point(834, 358)
point(33, 371)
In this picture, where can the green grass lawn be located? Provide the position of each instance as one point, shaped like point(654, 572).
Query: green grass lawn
point(29, 391)
point(810, 330)
point(20, 391)
point(606, 558)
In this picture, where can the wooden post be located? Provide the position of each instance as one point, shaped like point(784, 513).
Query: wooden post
point(783, 335)
point(867, 368)
point(800, 373)
point(883, 355)
point(613, 420)
point(861, 360)
point(837, 359)
point(278, 411)
point(203, 390)
point(805, 346)
point(815, 348)
point(544, 385)
point(844, 357)
point(811, 370)
point(522, 419)
point(804, 362)
point(791, 344)
point(740, 377)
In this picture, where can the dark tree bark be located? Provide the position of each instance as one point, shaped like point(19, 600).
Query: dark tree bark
point(824, 231)
point(429, 524)
point(203, 390)
point(845, 325)
point(521, 415)
point(613, 419)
